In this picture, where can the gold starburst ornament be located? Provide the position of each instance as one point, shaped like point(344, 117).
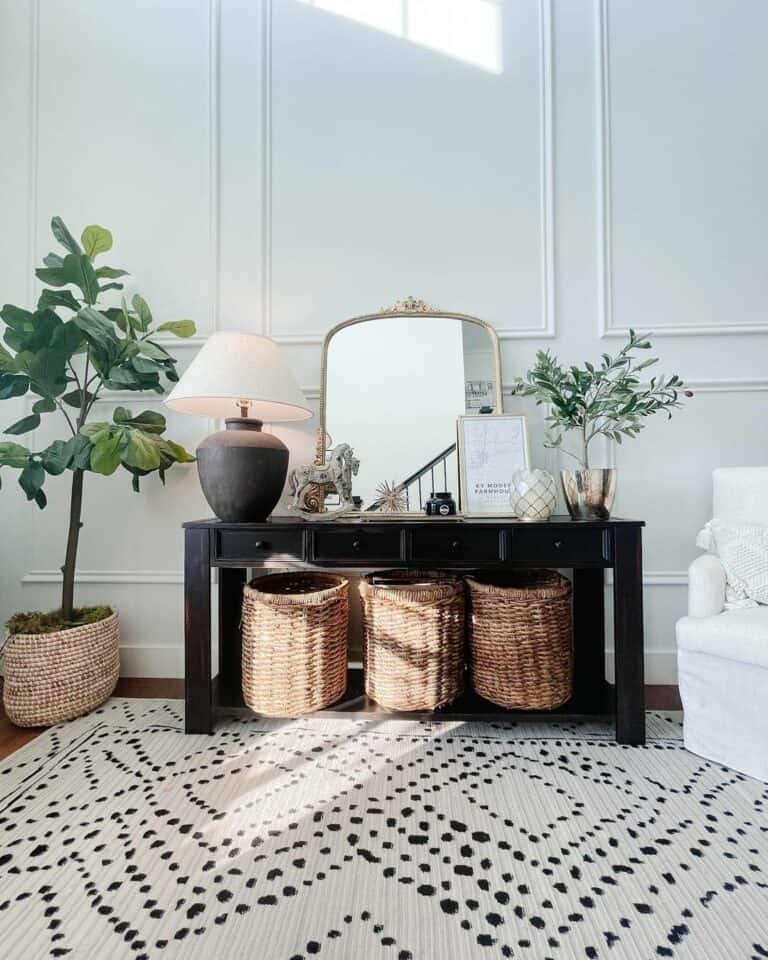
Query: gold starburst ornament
point(390, 498)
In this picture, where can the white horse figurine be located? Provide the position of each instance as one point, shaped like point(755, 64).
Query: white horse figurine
point(333, 477)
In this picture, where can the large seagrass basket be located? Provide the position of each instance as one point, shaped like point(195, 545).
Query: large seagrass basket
point(521, 639)
point(294, 642)
point(52, 677)
point(413, 645)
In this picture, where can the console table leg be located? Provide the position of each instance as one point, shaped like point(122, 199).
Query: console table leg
point(231, 583)
point(198, 713)
point(589, 629)
point(628, 634)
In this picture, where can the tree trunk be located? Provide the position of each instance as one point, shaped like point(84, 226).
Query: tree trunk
point(70, 562)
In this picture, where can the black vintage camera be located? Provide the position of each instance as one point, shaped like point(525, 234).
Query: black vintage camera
point(440, 505)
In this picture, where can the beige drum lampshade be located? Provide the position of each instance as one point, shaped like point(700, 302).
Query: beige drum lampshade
point(243, 378)
point(235, 367)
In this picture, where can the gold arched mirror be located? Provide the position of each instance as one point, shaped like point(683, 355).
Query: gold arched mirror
point(393, 384)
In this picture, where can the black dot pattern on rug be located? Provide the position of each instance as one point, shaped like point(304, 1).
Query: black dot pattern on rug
point(363, 838)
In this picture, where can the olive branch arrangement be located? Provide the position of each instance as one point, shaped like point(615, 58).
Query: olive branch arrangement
point(608, 399)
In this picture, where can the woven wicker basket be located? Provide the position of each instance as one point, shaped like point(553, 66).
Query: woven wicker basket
point(52, 677)
point(521, 639)
point(413, 642)
point(294, 642)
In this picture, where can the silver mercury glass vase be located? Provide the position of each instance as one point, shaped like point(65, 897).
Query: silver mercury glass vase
point(589, 494)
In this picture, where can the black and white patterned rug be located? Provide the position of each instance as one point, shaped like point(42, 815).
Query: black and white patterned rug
point(398, 839)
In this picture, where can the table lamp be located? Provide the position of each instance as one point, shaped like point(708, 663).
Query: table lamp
point(242, 470)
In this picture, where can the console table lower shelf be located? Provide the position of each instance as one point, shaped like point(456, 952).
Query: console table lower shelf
point(587, 548)
point(598, 702)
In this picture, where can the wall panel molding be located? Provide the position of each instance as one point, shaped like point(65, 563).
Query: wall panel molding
point(108, 576)
point(605, 319)
point(547, 328)
point(34, 144)
point(679, 578)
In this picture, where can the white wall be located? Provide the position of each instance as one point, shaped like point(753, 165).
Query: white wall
point(562, 168)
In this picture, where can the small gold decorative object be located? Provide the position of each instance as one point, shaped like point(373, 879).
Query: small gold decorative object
point(390, 498)
point(409, 305)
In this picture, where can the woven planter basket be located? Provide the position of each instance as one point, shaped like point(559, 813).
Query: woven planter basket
point(413, 643)
point(52, 677)
point(521, 639)
point(294, 642)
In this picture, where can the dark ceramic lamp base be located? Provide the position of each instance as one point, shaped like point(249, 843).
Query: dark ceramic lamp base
point(242, 471)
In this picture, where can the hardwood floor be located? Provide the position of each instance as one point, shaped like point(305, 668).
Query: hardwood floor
point(658, 697)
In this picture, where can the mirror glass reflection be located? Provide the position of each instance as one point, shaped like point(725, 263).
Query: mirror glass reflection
point(394, 387)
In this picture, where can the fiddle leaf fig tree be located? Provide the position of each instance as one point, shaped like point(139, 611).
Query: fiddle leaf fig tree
point(605, 399)
point(64, 352)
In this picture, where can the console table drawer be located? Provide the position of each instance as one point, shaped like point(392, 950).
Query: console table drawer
point(375, 546)
point(558, 547)
point(251, 545)
point(455, 544)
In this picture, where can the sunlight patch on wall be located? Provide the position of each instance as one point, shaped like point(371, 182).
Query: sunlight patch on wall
point(467, 30)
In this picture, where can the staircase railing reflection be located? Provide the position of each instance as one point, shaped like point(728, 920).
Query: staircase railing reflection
point(415, 487)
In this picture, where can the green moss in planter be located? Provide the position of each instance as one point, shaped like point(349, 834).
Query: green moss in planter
point(38, 622)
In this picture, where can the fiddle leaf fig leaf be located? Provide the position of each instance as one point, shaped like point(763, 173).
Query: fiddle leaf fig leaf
point(32, 478)
point(145, 365)
point(50, 299)
point(100, 334)
point(13, 455)
point(7, 362)
point(78, 269)
point(179, 328)
point(55, 458)
point(44, 405)
point(181, 455)
point(149, 421)
point(96, 240)
point(141, 451)
point(141, 307)
point(75, 398)
point(32, 422)
point(95, 431)
point(79, 451)
point(12, 386)
point(153, 351)
point(110, 273)
point(65, 238)
point(105, 455)
point(53, 276)
point(18, 319)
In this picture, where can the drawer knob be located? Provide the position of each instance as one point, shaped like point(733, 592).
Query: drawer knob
point(455, 545)
point(356, 544)
point(261, 545)
point(558, 544)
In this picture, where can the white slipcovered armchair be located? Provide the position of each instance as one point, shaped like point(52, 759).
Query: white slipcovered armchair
point(722, 654)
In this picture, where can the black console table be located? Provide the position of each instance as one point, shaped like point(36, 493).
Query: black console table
point(587, 547)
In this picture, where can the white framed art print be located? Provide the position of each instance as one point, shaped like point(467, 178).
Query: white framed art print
point(490, 447)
